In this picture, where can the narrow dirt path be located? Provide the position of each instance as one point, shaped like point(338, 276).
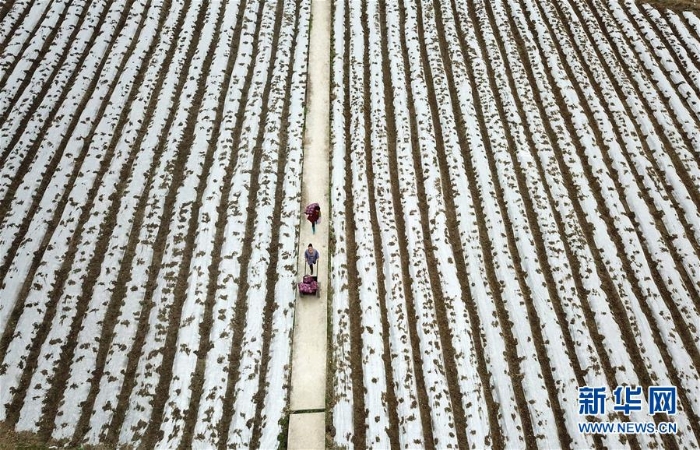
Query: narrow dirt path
point(308, 380)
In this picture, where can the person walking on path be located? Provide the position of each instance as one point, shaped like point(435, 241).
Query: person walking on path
point(313, 214)
point(311, 255)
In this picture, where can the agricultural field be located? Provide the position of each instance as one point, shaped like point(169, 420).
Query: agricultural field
point(150, 187)
point(516, 213)
point(515, 189)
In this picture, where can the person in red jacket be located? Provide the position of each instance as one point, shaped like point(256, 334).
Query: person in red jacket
point(313, 216)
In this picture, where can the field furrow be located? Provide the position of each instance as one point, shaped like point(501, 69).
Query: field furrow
point(647, 174)
point(169, 409)
point(146, 262)
point(31, 297)
point(40, 20)
point(140, 137)
point(543, 242)
point(543, 193)
point(52, 44)
point(11, 15)
point(624, 154)
point(228, 237)
point(24, 131)
point(597, 284)
point(613, 16)
point(629, 297)
point(52, 168)
point(513, 216)
point(264, 145)
point(633, 206)
point(342, 309)
point(660, 54)
point(228, 98)
point(50, 77)
point(688, 48)
point(373, 134)
point(240, 206)
point(273, 387)
point(105, 302)
point(673, 38)
point(559, 261)
point(148, 396)
point(58, 298)
point(91, 236)
point(432, 295)
point(409, 384)
point(371, 354)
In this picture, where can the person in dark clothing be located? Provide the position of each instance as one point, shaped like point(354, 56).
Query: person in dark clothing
point(311, 255)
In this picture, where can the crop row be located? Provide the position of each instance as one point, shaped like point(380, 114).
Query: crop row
point(149, 201)
point(522, 182)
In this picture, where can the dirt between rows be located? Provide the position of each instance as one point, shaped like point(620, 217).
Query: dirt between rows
point(13, 440)
point(676, 5)
point(554, 17)
point(10, 439)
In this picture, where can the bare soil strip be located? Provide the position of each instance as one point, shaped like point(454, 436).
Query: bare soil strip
point(659, 173)
point(428, 247)
point(401, 230)
point(672, 51)
point(512, 356)
point(205, 324)
point(331, 364)
point(573, 260)
point(62, 371)
point(674, 28)
point(381, 282)
point(61, 276)
point(39, 58)
point(241, 307)
point(36, 262)
point(535, 324)
point(274, 247)
point(615, 301)
point(667, 296)
point(112, 435)
point(638, 63)
point(6, 202)
point(693, 189)
point(119, 294)
point(460, 258)
point(17, 24)
point(6, 8)
point(676, 5)
point(441, 310)
point(153, 434)
point(607, 283)
point(681, 324)
point(359, 438)
point(39, 97)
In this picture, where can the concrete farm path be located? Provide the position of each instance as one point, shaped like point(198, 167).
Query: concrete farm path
point(308, 390)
